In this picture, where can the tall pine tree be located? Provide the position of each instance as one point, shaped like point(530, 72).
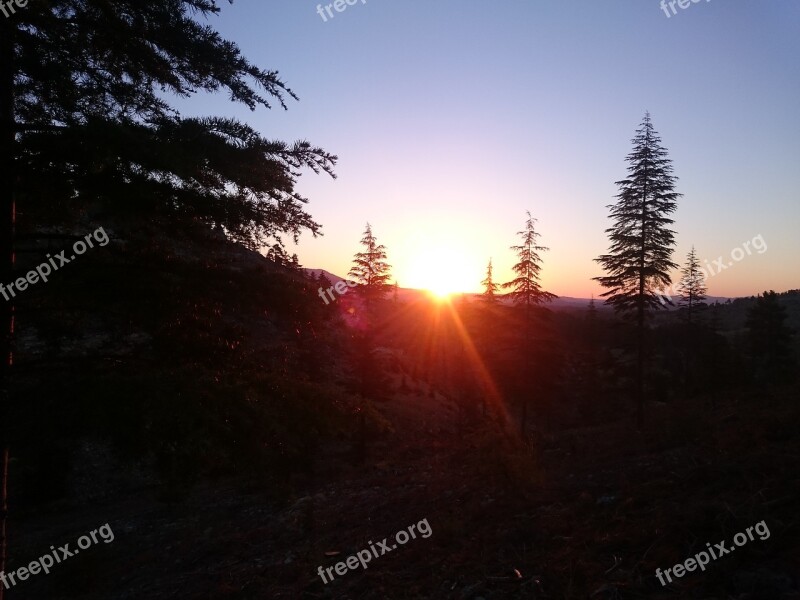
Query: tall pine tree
point(639, 258)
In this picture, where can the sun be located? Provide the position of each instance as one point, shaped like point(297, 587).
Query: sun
point(443, 269)
point(441, 291)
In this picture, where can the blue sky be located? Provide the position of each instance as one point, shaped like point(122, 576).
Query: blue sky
point(451, 119)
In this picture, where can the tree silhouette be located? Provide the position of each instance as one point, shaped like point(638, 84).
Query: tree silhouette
point(591, 310)
point(525, 287)
point(591, 317)
point(692, 291)
point(691, 287)
point(490, 287)
point(323, 281)
point(93, 124)
point(84, 122)
point(323, 284)
point(526, 290)
point(639, 258)
point(370, 269)
point(770, 338)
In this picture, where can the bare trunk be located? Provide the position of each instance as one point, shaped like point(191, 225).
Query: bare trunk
point(526, 389)
point(6, 264)
point(640, 364)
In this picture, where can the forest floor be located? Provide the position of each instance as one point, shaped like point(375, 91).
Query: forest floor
point(587, 513)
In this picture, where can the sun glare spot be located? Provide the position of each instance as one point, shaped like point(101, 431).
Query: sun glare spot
point(441, 270)
point(441, 293)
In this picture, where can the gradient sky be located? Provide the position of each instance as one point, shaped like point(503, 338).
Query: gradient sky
point(452, 118)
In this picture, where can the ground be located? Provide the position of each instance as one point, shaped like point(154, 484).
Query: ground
point(577, 514)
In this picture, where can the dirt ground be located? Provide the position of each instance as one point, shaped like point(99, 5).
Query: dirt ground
point(580, 514)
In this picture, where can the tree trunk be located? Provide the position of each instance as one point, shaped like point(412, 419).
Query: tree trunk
point(365, 366)
point(640, 368)
point(526, 389)
point(7, 31)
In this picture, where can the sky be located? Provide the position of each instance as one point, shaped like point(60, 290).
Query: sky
point(451, 119)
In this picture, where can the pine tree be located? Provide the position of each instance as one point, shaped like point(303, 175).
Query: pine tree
point(770, 338)
point(93, 124)
point(692, 291)
point(526, 290)
point(277, 254)
point(372, 273)
point(370, 269)
point(691, 287)
point(639, 258)
point(323, 285)
point(591, 323)
point(591, 314)
point(591, 310)
point(490, 287)
point(85, 122)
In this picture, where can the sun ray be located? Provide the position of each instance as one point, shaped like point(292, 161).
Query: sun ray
point(477, 364)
